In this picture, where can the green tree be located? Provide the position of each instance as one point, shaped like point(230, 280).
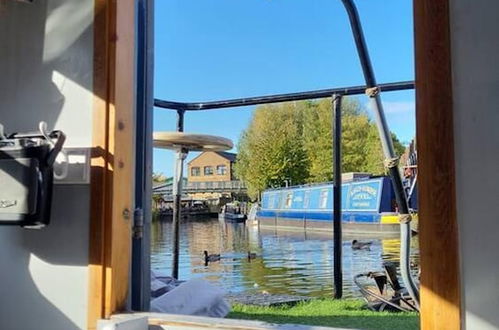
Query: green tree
point(158, 177)
point(271, 149)
point(293, 141)
point(318, 137)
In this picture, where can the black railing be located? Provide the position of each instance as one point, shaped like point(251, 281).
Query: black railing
point(210, 186)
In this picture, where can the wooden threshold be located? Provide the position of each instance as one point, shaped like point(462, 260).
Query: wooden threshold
point(438, 229)
point(181, 322)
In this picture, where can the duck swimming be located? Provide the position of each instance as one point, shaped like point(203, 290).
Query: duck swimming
point(211, 257)
point(356, 245)
point(251, 255)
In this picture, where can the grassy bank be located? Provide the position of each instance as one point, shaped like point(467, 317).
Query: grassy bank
point(327, 312)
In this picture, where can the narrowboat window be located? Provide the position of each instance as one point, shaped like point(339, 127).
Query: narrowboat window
point(208, 170)
point(195, 171)
point(323, 201)
point(306, 199)
point(289, 200)
point(271, 201)
point(221, 169)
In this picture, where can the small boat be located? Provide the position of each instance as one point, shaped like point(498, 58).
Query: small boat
point(231, 212)
point(191, 210)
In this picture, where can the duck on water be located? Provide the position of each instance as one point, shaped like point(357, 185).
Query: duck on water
point(251, 255)
point(210, 257)
point(356, 245)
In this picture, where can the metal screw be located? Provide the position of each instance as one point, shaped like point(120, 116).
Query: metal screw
point(126, 214)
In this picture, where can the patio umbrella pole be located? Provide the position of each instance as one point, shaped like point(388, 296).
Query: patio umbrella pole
point(180, 156)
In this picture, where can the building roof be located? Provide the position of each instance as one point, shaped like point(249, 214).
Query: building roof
point(227, 155)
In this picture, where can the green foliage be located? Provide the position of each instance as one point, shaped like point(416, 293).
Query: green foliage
point(293, 142)
point(158, 177)
point(271, 149)
point(347, 313)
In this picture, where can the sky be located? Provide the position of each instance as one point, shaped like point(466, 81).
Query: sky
point(209, 50)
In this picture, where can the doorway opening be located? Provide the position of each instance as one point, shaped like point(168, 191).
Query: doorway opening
point(372, 89)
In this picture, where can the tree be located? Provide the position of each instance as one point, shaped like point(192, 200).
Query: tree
point(271, 149)
point(318, 137)
point(158, 177)
point(293, 141)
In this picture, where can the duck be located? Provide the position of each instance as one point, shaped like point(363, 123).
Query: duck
point(211, 257)
point(356, 245)
point(251, 255)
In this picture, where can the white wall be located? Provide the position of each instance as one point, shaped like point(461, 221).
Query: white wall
point(475, 68)
point(46, 63)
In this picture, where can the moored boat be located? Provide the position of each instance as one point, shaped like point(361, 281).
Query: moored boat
point(368, 206)
point(232, 212)
point(191, 210)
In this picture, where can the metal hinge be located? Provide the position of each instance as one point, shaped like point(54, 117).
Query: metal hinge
point(138, 223)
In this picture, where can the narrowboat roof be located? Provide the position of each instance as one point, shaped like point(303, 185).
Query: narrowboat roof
point(327, 183)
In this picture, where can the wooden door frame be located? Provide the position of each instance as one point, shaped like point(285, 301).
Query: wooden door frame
point(113, 158)
point(112, 172)
point(438, 228)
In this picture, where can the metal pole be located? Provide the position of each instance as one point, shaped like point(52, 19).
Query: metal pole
point(148, 154)
point(180, 120)
point(391, 159)
point(180, 155)
point(337, 236)
point(140, 288)
point(137, 237)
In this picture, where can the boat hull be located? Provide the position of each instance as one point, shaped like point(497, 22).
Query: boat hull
point(199, 215)
point(318, 226)
point(230, 217)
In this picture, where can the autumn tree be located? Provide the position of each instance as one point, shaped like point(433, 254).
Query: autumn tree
point(271, 148)
point(158, 177)
point(293, 141)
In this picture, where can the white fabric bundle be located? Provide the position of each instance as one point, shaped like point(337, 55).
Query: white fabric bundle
point(194, 297)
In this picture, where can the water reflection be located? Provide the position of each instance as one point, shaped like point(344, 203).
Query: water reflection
point(289, 263)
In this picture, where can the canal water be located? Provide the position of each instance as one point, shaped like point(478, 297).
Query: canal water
point(296, 263)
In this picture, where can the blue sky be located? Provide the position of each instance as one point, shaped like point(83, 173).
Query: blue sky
point(218, 49)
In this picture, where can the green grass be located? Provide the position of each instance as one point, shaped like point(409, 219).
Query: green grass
point(327, 312)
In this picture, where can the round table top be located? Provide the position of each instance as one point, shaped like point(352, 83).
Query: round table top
point(190, 141)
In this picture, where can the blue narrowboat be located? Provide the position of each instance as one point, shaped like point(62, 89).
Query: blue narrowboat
point(368, 206)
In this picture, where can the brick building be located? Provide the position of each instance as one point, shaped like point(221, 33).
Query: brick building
point(211, 176)
point(212, 167)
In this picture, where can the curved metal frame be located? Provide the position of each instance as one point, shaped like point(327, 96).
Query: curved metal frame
point(388, 150)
